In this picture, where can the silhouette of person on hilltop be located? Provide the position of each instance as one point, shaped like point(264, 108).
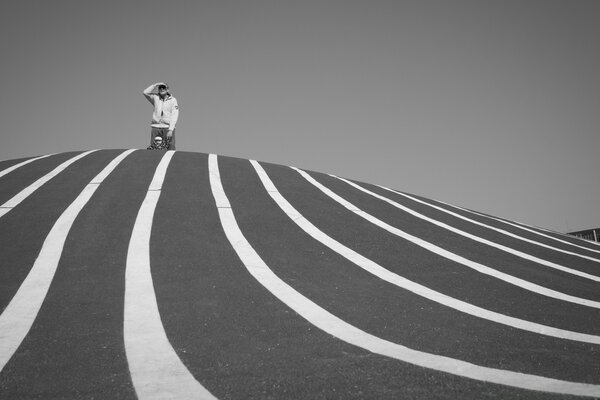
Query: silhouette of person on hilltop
point(165, 115)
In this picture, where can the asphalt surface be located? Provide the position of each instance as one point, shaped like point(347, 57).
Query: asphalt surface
point(237, 338)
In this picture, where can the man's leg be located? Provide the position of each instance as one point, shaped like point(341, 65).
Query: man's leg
point(172, 147)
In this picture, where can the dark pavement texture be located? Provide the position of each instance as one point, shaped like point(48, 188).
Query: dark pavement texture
point(235, 337)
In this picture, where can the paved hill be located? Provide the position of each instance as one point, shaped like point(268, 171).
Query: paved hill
point(153, 274)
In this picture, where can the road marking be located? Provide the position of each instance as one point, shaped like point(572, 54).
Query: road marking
point(532, 229)
point(478, 239)
point(452, 256)
point(156, 370)
point(397, 280)
point(536, 229)
point(502, 231)
point(11, 169)
point(23, 194)
point(520, 225)
point(350, 334)
point(19, 315)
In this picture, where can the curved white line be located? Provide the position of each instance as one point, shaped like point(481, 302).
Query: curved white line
point(19, 165)
point(452, 256)
point(350, 334)
point(479, 239)
point(397, 280)
point(519, 225)
point(404, 283)
point(502, 231)
point(23, 194)
point(19, 315)
point(156, 370)
point(532, 229)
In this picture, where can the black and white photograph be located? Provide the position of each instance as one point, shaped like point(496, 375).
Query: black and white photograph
point(300, 199)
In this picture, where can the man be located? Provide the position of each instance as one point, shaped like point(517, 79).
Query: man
point(165, 115)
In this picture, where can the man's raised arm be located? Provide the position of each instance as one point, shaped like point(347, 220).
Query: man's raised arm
point(148, 91)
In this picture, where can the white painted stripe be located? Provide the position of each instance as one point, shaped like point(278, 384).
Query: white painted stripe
point(452, 256)
point(19, 165)
point(23, 194)
point(350, 334)
point(161, 170)
point(382, 273)
point(566, 235)
point(110, 167)
point(502, 231)
point(479, 239)
point(521, 225)
point(19, 315)
point(525, 227)
point(156, 370)
point(390, 277)
point(215, 183)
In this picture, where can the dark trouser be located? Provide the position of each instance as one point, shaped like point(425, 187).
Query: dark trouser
point(162, 132)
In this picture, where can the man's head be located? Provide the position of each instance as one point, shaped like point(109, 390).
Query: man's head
point(158, 140)
point(163, 90)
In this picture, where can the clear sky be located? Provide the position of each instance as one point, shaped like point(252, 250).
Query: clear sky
point(491, 105)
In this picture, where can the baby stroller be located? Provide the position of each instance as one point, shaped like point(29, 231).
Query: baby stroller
point(160, 144)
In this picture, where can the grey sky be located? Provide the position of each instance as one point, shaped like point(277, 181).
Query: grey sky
point(492, 105)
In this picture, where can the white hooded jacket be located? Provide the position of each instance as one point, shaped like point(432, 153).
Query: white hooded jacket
point(166, 111)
